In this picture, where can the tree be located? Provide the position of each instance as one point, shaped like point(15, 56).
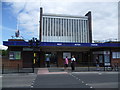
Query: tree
point(4, 52)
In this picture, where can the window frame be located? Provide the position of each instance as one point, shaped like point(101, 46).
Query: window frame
point(14, 55)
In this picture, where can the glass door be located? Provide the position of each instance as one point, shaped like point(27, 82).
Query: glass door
point(101, 59)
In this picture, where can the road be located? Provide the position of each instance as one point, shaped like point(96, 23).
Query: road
point(99, 79)
point(63, 79)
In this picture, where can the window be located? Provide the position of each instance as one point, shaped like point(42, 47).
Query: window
point(14, 55)
point(68, 54)
point(115, 54)
point(106, 58)
point(43, 26)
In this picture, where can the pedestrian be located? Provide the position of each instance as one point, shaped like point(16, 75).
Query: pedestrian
point(73, 63)
point(66, 62)
point(48, 61)
point(97, 63)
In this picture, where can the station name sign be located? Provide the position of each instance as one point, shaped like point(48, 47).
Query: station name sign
point(94, 44)
point(59, 44)
point(77, 44)
point(70, 44)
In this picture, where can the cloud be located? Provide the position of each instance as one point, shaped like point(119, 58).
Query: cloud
point(7, 28)
point(60, 0)
point(104, 15)
point(2, 47)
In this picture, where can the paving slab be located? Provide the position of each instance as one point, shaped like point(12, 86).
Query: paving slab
point(18, 80)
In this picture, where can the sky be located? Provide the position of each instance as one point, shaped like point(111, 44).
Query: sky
point(26, 15)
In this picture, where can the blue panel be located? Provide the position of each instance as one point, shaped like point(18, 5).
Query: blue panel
point(23, 43)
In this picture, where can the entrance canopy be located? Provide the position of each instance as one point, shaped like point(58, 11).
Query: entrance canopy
point(61, 44)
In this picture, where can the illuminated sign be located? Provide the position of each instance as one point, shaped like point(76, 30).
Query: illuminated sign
point(59, 44)
point(77, 44)
point(94, 44)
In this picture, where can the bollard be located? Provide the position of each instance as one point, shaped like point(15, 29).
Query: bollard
point(18, 68)
point(32, 68)
point(104, 68)
point(117, 67)
point(88, 67)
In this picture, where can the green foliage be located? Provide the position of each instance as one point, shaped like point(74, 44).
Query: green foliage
point(4, 52)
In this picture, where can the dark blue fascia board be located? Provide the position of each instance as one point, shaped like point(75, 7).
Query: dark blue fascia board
point(15, 43)
point(23, 43)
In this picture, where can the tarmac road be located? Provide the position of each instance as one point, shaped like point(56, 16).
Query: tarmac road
point(99, 79)
point(58, 81)
point(61, 80)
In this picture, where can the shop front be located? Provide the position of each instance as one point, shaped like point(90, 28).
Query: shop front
point(56, 52)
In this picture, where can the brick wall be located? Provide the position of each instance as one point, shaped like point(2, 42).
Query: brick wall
point(114, 61)
point(60, 59)
point(11, 63)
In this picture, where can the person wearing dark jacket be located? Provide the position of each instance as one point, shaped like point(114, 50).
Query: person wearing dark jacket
point(73, 63)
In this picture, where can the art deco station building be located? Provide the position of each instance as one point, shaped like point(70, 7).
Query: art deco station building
point(64, 28)
point(61, 36)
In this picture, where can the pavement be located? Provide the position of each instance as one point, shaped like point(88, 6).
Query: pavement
point(60, 78)
point(21, 80)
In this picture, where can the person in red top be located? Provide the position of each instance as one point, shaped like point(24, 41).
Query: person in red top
point(66, 62)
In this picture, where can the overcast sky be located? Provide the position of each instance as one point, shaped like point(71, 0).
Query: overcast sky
point(104, 16)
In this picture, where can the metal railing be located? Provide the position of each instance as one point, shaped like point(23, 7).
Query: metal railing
point(16, 69)
point(90, 66)
point(82, 66)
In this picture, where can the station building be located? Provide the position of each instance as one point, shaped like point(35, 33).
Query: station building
point(61, 36)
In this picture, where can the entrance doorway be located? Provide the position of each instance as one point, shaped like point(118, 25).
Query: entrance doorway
point(27, 59)
point(31, 58)
point(101, 59)
point(51, 59)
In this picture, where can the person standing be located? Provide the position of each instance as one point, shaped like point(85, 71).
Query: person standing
point(73, 63)
point(97, 63)
point(66, 62)
point(48, 61)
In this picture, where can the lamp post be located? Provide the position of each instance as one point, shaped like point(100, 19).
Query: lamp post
point(34, 42)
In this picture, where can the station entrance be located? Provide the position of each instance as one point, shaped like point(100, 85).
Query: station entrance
point(51, 59)
point(55, 57)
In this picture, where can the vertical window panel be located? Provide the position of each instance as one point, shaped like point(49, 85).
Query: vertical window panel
point(62, 27)
point(59, 27)
point(46, 29)
point(74, 31)
point(54, 26)
point(49, 30)
point(71, 30)
point(66, 30)
point(82, 31)
point(88, 31)
point(78, 31)
point(43, 26)
point(51, 27)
